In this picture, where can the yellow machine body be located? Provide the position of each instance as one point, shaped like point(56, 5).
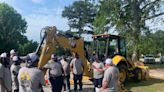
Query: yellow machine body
point(52, 40)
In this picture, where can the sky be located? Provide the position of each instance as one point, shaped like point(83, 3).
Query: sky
point(42, 13)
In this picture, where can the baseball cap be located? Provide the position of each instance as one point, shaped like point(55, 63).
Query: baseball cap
point(108, 61)
point(15, 58)
point(33, 57)
point(12, 51)
point(4, 55)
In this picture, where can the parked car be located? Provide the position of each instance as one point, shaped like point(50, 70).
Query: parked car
point(162, 59)
point(149, 59)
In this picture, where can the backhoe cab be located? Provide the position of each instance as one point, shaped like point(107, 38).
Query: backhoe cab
point(113, 46)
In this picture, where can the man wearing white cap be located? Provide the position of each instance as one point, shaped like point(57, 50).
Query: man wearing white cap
point(14, 73)
point(111, 77)
point(30, 78)
point(12, 54)
point(5, 74)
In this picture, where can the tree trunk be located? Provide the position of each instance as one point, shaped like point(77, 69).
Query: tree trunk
point(136, 30)
point(135, 55)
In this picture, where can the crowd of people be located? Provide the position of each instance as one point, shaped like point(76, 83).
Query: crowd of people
point(105, 76)
point(15, 77)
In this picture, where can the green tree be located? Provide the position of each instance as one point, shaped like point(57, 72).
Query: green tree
point(128, 18)
point(147, 45)
point(12, 28)
point(152, 43)
point(158, 38)
point(80, 14)
point(27, 47)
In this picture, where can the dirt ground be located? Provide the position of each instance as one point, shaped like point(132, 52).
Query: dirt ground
point(154, 84)
point(157, 73)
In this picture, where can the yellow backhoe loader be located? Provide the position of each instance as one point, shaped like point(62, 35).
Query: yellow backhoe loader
point(105, 45)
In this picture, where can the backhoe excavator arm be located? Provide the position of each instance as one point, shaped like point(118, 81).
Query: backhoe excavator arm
point(52, 39)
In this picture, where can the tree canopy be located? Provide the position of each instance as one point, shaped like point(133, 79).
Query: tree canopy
point(27, 47)
point(128, 17)
point(12, 29)
point(80, 14)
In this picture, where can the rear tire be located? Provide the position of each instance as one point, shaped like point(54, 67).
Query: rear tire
point(137, 75)
point(123, 73)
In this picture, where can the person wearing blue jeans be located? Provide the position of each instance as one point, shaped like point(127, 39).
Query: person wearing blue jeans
point(78, 78)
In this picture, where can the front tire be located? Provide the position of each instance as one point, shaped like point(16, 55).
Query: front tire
point(123, 73)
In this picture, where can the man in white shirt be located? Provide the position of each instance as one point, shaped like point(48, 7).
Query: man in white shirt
point(66, 68)
point(15, 67)
point(98, 71)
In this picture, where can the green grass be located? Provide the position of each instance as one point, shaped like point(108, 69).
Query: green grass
point(150, 85)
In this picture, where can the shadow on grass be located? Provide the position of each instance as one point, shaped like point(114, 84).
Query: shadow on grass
point(88, 90)
point(148, 82)
point(155, 66)
point(85, 90)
